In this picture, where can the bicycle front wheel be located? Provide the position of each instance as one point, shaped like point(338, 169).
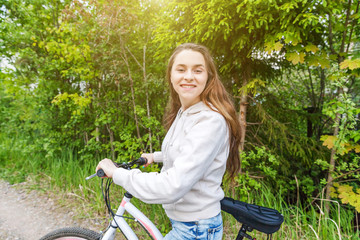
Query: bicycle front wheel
point(73, 233)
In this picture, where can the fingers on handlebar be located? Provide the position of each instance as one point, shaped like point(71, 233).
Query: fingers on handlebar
point(149, 157)
point(106, 162)
point(142, 161)
point(105, 168)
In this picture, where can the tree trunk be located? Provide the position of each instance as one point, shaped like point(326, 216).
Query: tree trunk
point(111, 135)
point(147, 100)
point(143, 67)
point(246, 77)
point(97, 138)
point(332, 159)
point(132, 93)
point(242, 118)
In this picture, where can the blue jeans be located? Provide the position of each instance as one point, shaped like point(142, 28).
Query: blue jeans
point(206, 229)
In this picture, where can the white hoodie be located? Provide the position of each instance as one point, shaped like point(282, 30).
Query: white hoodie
point(194, 154)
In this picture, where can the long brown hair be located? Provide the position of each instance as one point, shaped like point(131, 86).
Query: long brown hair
point(214, 95)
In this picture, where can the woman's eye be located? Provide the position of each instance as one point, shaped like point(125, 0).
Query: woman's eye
point(198, 71)
point(180, 70)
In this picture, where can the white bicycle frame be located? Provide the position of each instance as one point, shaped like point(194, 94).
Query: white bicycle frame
point(119, 220)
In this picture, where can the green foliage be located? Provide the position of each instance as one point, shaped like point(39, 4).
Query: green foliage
point(262, 159)
point(254, 163)
point(350, 64)
point(86, 81)
point(77, 102)
point(348, 136)
point(343, 112)
point(78, 81)
point(347, 195)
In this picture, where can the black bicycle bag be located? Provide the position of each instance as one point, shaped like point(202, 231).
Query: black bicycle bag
point(263, 219)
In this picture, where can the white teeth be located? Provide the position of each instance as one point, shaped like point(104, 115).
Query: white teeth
point(188, 86)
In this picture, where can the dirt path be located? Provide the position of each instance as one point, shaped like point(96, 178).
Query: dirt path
point(24, 215)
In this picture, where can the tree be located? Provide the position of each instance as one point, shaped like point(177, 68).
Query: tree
point(257, 45)
point(76, 60)
point(335, 27)
point(118, 36)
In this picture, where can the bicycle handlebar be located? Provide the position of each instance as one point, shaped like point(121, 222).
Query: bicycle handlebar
point(140, 161)
point(100, 173)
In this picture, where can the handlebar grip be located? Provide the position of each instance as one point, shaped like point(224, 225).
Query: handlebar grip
point(100, 173)
point(142, 161)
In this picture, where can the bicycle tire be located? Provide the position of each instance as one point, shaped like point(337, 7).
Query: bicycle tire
point(73, 233)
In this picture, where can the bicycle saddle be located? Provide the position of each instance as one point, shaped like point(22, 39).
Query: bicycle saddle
point(263, 219)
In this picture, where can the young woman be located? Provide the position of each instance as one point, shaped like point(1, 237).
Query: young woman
point(201, 143)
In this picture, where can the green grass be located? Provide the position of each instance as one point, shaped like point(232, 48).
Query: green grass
point(64, 175)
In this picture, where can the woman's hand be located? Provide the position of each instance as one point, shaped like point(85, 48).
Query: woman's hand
point(149, 157)
point(108, 166)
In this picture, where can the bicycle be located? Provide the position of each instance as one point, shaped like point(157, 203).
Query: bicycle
point(251, 216)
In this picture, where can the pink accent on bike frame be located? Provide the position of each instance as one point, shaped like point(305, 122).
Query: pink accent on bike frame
point(149, 229)
point(123, 202)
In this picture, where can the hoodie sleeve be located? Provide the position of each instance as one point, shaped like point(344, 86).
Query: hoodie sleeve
point(158, 157)
point(199, 148)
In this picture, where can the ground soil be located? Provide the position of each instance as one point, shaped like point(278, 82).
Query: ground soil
point(28, 215)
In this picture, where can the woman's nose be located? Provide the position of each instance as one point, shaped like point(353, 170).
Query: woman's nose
point(189, 75)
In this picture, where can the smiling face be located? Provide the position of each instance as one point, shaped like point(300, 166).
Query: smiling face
point(189, 76)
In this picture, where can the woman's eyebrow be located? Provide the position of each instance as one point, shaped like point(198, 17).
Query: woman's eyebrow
point(184, 65)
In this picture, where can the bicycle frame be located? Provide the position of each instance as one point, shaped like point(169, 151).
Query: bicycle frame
point(119, 220)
